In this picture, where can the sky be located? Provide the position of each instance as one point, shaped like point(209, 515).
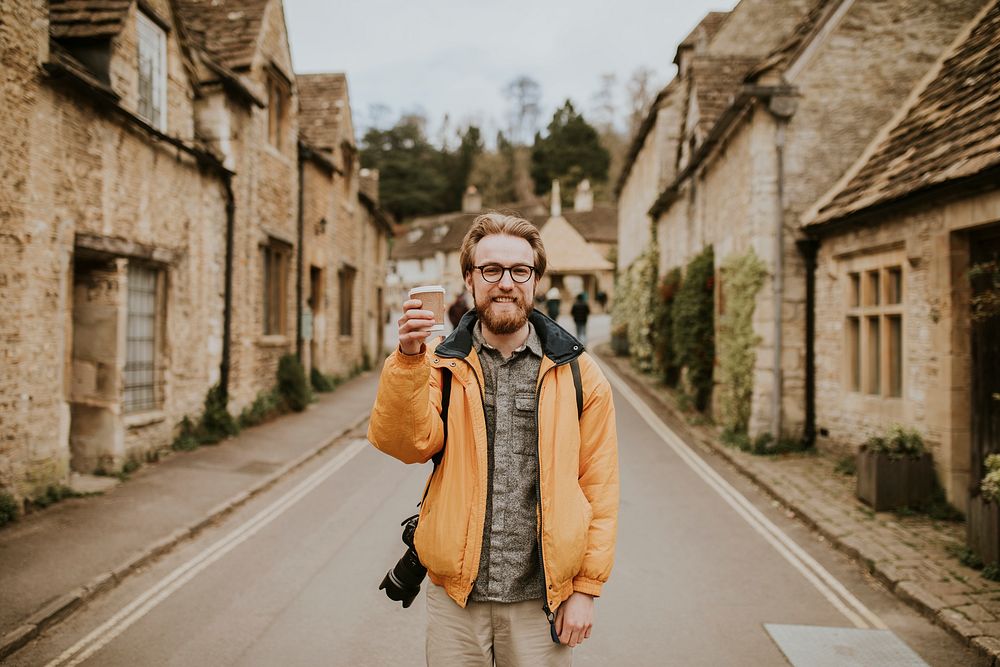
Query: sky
point(445, 56)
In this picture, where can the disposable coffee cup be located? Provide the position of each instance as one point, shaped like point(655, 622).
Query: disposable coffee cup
point(432, 298)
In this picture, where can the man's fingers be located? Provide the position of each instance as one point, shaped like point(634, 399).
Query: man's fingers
point(412, 303)
point(559, 623)
point(586, 635)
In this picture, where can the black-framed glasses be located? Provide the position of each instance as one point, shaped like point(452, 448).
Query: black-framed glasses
point(493, 273)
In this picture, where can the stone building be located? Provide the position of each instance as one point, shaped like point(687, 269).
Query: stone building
point(346, 233)
point(149, 202)
point(897, 337)
point(258, 141)
point(426, 251)
point(775, 111)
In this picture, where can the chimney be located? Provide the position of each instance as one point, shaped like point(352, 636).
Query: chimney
point(584, 198)
point(472, 201)
point(556, 210)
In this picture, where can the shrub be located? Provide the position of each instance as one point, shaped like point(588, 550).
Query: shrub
point(292, 385)
point(53, 494)
point(8, 508)
point(322, 382)
point(897, 443)
point(990, 486)
point(635, 296)
point(267, 405)
point(185, 440)
point(743, 276)
point(216, 423)
point(694, 326)
point(664, 358)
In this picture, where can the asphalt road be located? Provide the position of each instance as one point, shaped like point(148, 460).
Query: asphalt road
point(291, 578)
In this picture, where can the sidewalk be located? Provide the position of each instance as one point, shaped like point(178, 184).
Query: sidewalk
point(52, 561)
point(909, 555)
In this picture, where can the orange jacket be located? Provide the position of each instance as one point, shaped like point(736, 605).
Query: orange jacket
point(577, 458)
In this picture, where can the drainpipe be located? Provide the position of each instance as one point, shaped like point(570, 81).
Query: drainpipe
point(227, 318)
point(299, 343)
point(782, 107)
point(809, 248)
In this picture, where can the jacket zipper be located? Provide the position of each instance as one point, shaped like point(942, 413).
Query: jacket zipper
point(538, 493)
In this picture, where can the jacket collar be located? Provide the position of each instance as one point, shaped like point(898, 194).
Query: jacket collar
point(558, 344)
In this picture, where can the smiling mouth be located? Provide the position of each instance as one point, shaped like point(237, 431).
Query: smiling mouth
point(504, 299)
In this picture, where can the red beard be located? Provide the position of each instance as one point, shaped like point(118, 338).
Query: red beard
point(509, 320)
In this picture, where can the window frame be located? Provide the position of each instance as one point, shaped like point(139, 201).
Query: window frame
point(874, 325)
point(279, 95)
point(275, 269)
point(152, 386)
point(151, 40)
point(346, 279)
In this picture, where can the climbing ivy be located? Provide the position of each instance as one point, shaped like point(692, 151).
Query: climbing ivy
point(694, 326)
point(742, 277)
point(635, 297)
point(664, 359)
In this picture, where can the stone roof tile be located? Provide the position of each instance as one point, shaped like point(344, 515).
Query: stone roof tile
point(227, 30)
point(323, 104)
point(86, 19)
point(951, 129)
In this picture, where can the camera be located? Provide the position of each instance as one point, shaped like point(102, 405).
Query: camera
point(402, 583)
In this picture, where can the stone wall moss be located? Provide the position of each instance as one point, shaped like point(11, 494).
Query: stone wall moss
point(664, 358)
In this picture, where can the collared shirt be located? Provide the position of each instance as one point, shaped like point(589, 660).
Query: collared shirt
point(509, 567)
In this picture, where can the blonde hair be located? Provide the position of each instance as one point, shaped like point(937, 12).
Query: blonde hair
point(493, 222)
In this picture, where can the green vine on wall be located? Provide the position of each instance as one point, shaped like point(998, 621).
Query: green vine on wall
point(665, 361)
point(635, 299)
point(742, 277)
point(694, 326)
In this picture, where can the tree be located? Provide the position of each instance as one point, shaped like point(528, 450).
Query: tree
point(459, 164)
point(493, 173)
point(571, 152)
point(639, 92)
point(524, 95)
point(412, 176)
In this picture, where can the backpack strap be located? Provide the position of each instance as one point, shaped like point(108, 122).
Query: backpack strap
point(445, 402)
point(578, 385)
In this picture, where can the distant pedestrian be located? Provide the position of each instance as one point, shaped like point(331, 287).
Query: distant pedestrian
point(552, 302)
point(457, 309)
point(581, 313)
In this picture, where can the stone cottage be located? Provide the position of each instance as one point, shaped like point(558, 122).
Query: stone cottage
point(907, 240)
point(149, 202)
point(345, 233)
point(761, 138)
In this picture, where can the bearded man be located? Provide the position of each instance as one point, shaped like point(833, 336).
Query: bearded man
point(517, 529)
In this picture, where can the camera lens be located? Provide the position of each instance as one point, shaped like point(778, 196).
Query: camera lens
point(402, 583)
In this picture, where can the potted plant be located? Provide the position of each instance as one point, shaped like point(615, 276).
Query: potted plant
point(983, 525)
point(895, 470)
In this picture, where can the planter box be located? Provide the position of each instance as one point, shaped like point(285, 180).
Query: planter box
point(983, 530)
point(889, 484)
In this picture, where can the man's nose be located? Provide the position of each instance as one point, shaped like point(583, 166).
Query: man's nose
point(506, 280)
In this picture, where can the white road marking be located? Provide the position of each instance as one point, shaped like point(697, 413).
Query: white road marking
point(828, 586)
point(143, 604)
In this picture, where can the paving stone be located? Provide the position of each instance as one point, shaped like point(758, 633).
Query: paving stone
point(975, 613)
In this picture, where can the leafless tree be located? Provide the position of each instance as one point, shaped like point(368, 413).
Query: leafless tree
point(524, 96)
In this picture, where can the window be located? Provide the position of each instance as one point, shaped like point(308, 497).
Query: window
point(275, 259)
point(346, 279)
point(874, 330)
point(152, 105)
point(142, 386)
point(277, 109)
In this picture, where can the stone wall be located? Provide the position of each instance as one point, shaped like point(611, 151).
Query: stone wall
point(932, 250)
point(92, 187)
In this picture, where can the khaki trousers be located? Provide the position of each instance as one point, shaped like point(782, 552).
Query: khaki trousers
point(511, 634)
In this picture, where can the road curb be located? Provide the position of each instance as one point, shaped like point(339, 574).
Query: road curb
point(909, 592)
point(55, 611)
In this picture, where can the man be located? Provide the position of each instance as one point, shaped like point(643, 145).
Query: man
point(580, 312)
point(517, 530)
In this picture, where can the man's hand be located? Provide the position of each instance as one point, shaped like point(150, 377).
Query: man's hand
point(574, 619)
point(414, 326)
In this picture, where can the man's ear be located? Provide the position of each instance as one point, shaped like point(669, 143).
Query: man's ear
point(468, 281)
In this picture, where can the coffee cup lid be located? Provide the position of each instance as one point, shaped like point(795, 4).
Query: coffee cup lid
point(427, 288)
